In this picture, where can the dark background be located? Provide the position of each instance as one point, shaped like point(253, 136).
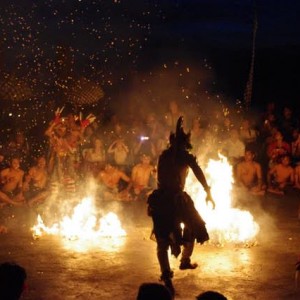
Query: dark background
point(113, 42)
point(222, 32)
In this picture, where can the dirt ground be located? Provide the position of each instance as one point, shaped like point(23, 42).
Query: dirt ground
point(113, 269)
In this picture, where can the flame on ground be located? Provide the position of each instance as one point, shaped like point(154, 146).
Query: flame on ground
point(82, 225)
point(224, 223)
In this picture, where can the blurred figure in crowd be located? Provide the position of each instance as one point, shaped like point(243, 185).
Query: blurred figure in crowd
point(249, 174)
point(281, 175)
point(11, 183)
point(35, 186)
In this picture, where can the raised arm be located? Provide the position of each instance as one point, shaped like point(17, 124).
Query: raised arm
point(111, 147)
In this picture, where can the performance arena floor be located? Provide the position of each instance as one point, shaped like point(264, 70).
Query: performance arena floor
point(63, 270)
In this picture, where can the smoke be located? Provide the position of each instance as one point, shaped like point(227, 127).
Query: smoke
point(190, 85)
point(262, 208)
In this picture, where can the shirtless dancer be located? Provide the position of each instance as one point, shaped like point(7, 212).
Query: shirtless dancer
point(11, 180)
point(249, 175)
point(35, 183)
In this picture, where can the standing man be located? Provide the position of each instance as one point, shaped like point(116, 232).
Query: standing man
point(170, 205)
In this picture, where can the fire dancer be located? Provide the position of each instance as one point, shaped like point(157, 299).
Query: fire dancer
point(170, 206)
point(58, 147)
point(64, 152)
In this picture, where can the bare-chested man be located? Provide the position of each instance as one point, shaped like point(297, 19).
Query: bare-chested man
point(35, 183)
point(141, 175)
point(280, 176)
point(110, 179)
point(11, 180)
point(249, 175)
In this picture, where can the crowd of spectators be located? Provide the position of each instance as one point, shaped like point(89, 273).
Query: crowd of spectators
point(121, 156)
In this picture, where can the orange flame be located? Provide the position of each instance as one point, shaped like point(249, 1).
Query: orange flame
point(224, 223)
point(82, 225)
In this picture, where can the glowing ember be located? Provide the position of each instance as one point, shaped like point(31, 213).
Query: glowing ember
point(224, 224)
point(82, 225)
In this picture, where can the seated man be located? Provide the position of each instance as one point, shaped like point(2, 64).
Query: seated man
point(141, 177)
point(280, 176)
point(110, 179)
point(249, 175)
point(36, 183)
point(11, 181)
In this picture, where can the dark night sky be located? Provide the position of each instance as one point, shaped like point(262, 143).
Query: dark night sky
point(108, 40)
point(222, 32)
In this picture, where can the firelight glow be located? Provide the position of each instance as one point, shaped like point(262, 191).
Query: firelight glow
point(83, 225)
point(224, 223)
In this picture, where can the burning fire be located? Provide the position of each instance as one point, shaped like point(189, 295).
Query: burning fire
point(224, 223)
point(82, 225)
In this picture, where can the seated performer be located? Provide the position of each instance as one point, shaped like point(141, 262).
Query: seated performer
point(280, 176)
point(141, 177)
point(11, 180)
point(110, 179)
point(249, 175)
point(35, 186)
